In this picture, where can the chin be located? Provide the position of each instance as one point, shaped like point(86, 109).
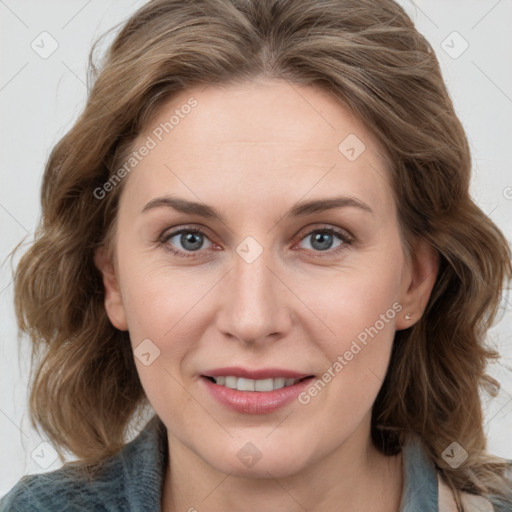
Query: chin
point(249, 461)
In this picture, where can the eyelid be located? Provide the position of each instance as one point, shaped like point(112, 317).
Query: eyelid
point(175, 230)
point(344, 234)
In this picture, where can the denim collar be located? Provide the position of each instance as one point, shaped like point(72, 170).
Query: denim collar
point(420, 491)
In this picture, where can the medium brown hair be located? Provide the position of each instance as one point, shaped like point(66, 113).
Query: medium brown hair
point(369, 56)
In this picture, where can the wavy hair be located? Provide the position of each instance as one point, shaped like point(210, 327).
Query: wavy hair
point(85, 390)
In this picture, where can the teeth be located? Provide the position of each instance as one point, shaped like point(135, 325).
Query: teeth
point(264, 385)
point(245, 384)
point(231, 382)
point(261, 385)
point(279, 383)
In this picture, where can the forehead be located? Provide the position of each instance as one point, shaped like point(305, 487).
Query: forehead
point(259, 136)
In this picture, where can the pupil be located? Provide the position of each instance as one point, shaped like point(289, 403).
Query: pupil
point(322, 241)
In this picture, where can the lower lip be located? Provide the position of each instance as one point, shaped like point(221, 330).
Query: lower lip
point(255, 402)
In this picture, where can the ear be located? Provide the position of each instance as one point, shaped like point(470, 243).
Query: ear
point(113, 301)
point(417, 283)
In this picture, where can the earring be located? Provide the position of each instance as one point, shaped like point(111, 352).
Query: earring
point(407, 316)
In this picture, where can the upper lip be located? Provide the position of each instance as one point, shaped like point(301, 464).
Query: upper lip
point(256, 374)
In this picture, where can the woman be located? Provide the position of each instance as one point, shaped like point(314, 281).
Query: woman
point(260, 229)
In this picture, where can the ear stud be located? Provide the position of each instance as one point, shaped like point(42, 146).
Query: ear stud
point(407, 316)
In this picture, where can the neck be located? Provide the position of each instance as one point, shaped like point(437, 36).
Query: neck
point(354, 477)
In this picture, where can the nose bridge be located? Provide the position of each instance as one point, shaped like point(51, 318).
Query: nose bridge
point(254, 304)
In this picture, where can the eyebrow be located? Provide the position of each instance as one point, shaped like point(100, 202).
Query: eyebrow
point(300, 209)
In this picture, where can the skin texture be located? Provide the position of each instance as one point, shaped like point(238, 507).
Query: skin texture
point(252, 151)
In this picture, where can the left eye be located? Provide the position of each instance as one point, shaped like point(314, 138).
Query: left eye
point(323, 239)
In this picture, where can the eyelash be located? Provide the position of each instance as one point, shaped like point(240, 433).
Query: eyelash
point(343, 235)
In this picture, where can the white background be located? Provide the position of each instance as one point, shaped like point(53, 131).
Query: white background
point(40, 98)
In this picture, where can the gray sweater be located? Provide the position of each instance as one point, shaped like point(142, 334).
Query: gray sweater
point(132, 481)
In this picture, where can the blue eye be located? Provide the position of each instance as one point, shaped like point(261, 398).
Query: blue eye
point(191, 240)
point(323, 239)
point(188, 242)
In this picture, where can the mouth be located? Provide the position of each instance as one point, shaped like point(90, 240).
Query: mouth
point(255, 391)
point(256, 385)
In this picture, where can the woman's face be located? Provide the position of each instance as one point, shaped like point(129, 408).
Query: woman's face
point(297, 271)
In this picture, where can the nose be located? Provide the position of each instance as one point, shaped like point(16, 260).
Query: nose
point(255, 306)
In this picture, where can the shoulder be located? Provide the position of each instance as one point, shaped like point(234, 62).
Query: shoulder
point(133, 475)
point(471, 502)
point(50, 491)
point(425, 489)
point(65, 487)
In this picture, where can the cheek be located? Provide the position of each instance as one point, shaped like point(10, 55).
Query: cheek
point(168, 307)
point(353, 302)
point(160, 305)
point(157, 298)
point(358, 311)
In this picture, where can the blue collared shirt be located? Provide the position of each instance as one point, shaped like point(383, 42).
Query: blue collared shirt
point(132, 480)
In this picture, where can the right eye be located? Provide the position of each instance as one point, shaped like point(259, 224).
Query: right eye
point(191, 241)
